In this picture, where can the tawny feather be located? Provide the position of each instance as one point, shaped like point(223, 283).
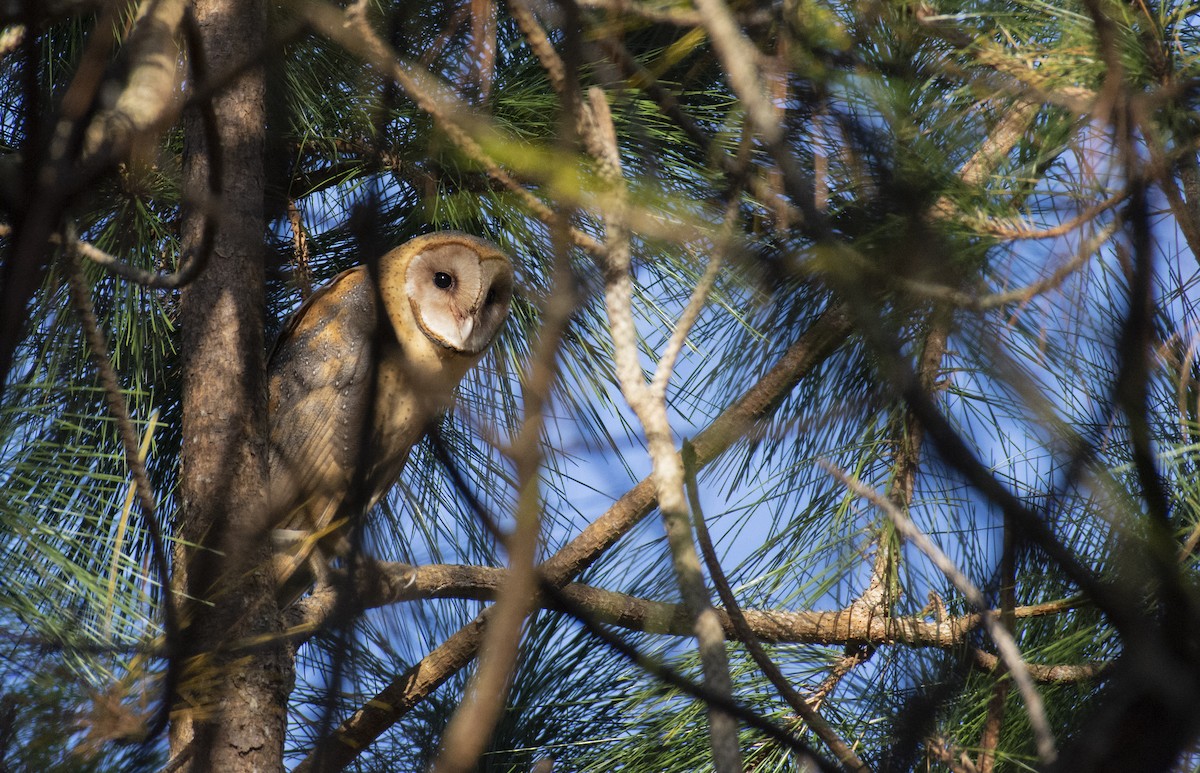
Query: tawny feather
point(445, 296)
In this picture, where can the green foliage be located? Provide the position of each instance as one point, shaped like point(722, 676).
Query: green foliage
point(885, 105)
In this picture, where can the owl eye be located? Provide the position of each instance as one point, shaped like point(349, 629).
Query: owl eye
point(490, 298)
point(443, 281)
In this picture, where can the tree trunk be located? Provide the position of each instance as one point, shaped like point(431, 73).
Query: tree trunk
point(231, 714)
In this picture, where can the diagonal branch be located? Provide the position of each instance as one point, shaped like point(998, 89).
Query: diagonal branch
point(1000, 635)
point(828, 333)
point(473, 723)
point(650, 406)
point(741, 627)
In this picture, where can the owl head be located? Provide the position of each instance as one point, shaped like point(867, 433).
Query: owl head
point(453, 288)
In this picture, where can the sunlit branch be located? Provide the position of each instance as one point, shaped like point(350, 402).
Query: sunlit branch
point(11, 39)
point(676, 16)
point(1009, 652)
point(696, 303)
point(1063, 673)
point(378, 585)
point(146, 102)
point(949, 755)
point(828, 333)
point(1009, 231)
point(649, 404)
point(300, 252)
point(854, 655)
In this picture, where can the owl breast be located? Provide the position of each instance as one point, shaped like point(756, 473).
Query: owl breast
point(357, 376)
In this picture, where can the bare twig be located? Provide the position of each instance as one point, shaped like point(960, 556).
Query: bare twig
point(741, 627)
point(1005, 643)
point(649, 403)
point(680, 17)
point(300, 249)
point(81, 299)
point(827, 334)
point(1062, 673)
point(943, 751)
point(855, 655)
point(687, 320)
point(1010, 231)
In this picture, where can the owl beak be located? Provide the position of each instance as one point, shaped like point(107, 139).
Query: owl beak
point(466, 327)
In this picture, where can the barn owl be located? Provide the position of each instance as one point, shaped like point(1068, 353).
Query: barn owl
point(444, 297)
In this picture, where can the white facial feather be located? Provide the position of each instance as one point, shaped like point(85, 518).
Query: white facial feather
point(459, 295)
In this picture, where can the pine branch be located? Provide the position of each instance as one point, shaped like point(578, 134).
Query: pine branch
point(381, 584)
point(824, 337)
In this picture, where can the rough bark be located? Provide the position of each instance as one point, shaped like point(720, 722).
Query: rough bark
point(231, 713)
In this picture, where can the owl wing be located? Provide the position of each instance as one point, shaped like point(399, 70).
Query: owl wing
point(319, 376)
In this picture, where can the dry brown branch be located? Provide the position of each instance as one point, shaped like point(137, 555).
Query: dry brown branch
point(1055, 674)
point(300, 249)
point(649, 404)
point(164, 281)
point(827, 334)
point(116, 266)
point(946, 753)
point(675, 16)
point(906, 456)
point(1011, 232)
point(473, 723)
point(855, 654)
point(386, 583)
point(999, 634)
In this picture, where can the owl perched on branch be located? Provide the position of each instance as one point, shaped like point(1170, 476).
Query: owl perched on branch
point(352, 389)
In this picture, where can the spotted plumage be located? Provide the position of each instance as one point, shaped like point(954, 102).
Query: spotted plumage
point(445, 296)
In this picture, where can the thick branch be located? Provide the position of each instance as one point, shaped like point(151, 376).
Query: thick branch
point(146, 103)
point(825, 336)
point(388, 583)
